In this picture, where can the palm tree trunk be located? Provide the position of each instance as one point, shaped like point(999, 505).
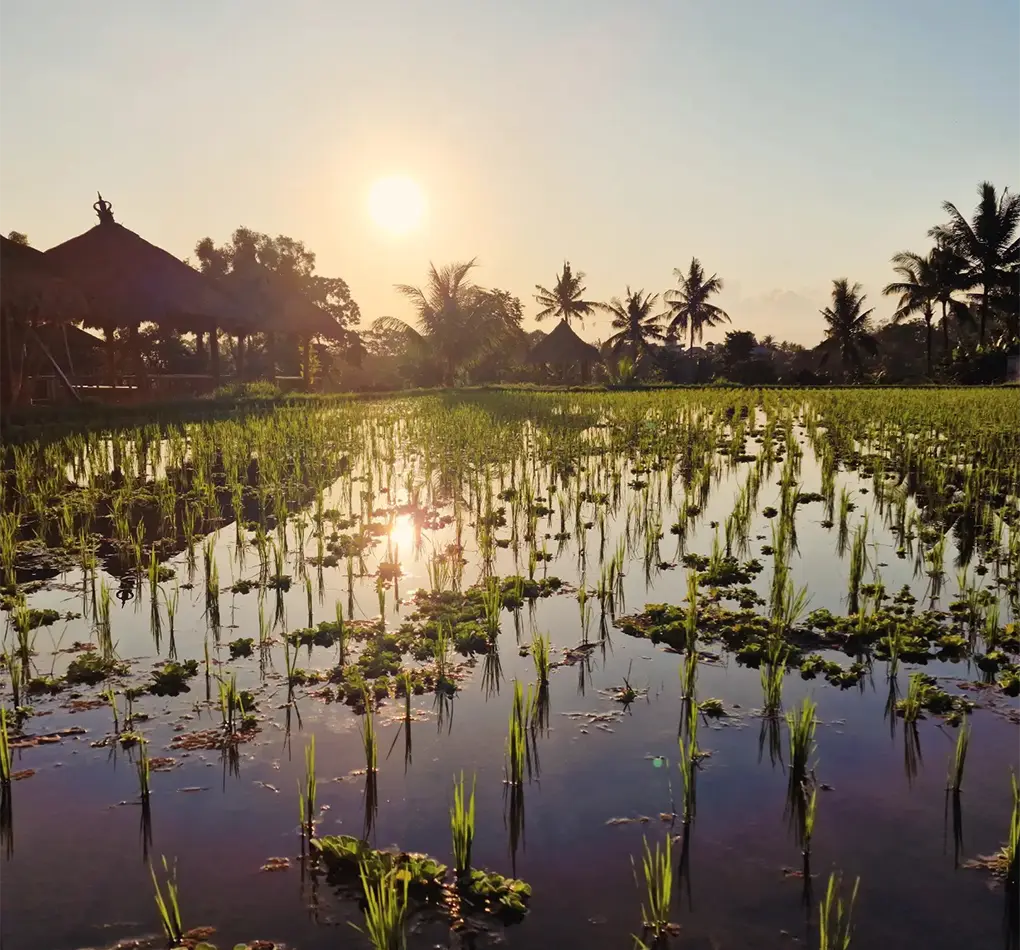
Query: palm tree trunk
point(945, 332)
point(927, 331)
point(987, 283)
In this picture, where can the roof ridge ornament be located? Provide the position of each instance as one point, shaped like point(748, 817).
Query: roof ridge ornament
point(104, 209)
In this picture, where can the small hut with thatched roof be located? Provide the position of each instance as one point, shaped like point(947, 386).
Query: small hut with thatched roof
point(563, 348)
point(33, 295)
point(129, 281)
point(274, 308)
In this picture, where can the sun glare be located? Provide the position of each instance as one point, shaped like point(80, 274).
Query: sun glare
point(396, 204)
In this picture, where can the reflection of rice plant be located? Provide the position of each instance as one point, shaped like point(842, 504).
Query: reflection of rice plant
point(658, 874)
point(169, 906)
point(689, 756)
point(835, 926)
point(462, 826)
point(809, 821)
point(102, 618)
point(441, 652)
point(385, 909)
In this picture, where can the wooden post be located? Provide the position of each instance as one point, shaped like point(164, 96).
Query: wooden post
point(135, 349)
point(111, 356)
point(239, 357)
point(271, 354)
point(214, 355)
point(7, 370)
point(306, 361)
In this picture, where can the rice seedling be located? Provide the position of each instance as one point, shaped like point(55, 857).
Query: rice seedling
point(808, 829)
point(111, 698)
point(462, 826)
point(516, 744)
point(144, 772)
point(306, 794)
point(690, 754)
point(772, 672)
point(5, 750)
point(657, 868)
point(168, 904)
point(540, 656)
point(1011, 849)
point(959, 758)
point(368, 740)
point(835, 923)
point(385, 908)
point(801, 728)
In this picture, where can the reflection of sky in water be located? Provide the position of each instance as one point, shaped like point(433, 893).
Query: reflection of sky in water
point(77, 862)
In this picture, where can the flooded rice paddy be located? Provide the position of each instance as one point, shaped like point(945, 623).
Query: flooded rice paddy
point(747, 627)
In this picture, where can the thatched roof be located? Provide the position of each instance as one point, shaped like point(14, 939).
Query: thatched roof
point(128, 281)
point(272, 306)
point(563, 347)
point(31, 287)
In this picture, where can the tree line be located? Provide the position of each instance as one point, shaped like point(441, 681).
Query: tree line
point(965, 285)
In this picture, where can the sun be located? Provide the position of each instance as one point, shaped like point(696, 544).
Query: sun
point(396, 204)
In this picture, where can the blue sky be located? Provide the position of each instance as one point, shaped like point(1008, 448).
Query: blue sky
point(784, 143)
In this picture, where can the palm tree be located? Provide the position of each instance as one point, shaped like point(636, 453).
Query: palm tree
point(565, 298)
point(458, 320)
point(988, 241)
point(634, 322)
point(689, 308)
point(848, 330)
point(951, 278)
point(918, 290)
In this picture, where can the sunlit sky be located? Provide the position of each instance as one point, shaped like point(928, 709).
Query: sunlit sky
point(784, 143)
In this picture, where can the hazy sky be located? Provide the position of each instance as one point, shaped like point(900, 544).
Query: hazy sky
point(784, 143)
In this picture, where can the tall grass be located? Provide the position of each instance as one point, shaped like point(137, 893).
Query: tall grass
point(462, 826)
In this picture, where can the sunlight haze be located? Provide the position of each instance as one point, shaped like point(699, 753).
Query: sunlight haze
point(784, 144)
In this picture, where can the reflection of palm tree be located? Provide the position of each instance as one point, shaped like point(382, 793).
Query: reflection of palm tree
point(988, 241)
point(566, 297)
point(918, 290)
point(634, 322)
point(689, 305)
point(848, 329)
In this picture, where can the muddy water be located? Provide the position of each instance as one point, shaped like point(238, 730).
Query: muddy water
point(76, 872)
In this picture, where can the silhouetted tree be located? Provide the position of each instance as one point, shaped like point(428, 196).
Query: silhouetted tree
point(18, 237)
point(847, 326)
point(634, 322)
point(951, 280)
point(459, 322)
point(566, 299)
point(918, 290)
point(690, 309)
point(987, 242)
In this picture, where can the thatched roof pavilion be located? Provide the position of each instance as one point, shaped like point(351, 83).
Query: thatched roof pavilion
point(129, 281)
point(31, 287)
point(270, 306)
point(563, 347)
